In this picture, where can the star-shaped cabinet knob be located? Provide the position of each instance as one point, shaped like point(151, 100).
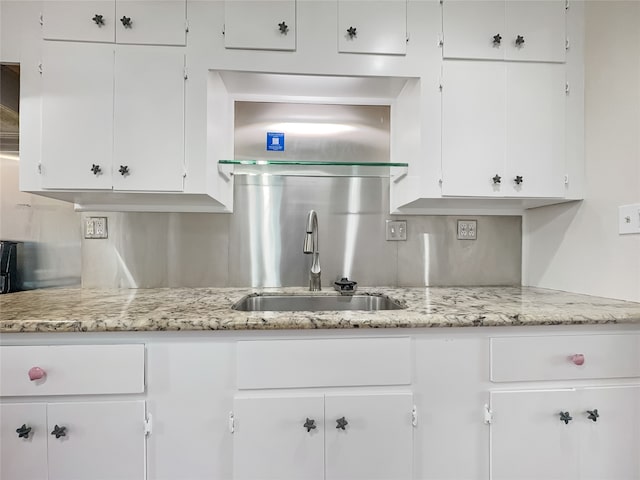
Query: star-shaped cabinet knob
point(519, 179)
point(497, 38)
point(310, 424)
point(519, 40)
point(23, 431)
point(497, 179)
point(96, 169)
point(59, 431)
point(126, 22)
point(98, 19)
point(283, 28)
point(565, 417)
point(593, 414)
point(341, 423)
point(351, 31)
point(124, 170)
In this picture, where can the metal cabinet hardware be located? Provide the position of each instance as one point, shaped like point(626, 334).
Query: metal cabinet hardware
point(497, 179)
point(341, 423)
point(310, 424)
point(59, 431)
point(124, 170)
point(23, 431)
point(126, 22)
point(565, 417)
point(593, 414)
point(98, 19)
point(519, 179)
point(284, 29)
point(96, 169)
point(497, 39)
point(519, 40)
point(351, 31)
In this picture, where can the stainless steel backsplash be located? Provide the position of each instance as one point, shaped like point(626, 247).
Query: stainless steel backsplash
point(260, 244)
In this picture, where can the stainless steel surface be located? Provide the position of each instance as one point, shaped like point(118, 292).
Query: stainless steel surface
point(315, 303)
point(312, 247)
point(337, 133)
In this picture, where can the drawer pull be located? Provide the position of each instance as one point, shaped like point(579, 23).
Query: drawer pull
point(341, 423)
point(23, 431)
point(578, 359)
point(593, 414)
point(59, 431)
point(36, 373)
point(565, 417)
point(310, 424)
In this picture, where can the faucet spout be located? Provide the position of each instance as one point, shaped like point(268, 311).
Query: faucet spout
point(311, 247)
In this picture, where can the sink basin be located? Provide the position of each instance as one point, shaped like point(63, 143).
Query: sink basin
point(314, 303)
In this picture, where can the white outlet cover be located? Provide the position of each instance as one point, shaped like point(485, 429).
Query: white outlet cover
point(629, 219)
point(467, 229)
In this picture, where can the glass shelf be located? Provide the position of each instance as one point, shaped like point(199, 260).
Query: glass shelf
point(311, 168)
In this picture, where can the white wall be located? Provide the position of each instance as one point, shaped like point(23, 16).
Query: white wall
point(576, 247)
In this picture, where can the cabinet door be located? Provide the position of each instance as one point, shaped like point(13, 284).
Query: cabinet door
point(270, 440)
point(149, 119)
point(535, 132)
point(156, 22)
point(79, 20)
point(528, 438)
point(473, 128)
point(103, 441)
point(541, 24)
point(260, 24)
point(609, 445)
point(376, 441)
point(469, 28)
point(379, 26)
point(25, 457)
point(77, 115)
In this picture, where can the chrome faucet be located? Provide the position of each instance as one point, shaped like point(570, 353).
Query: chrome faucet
point(311, 246)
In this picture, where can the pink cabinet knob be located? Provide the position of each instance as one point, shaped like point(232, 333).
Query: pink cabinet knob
point(36, 373)
point(577, 358)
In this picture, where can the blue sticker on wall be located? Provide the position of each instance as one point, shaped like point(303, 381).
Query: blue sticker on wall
point(275, 141)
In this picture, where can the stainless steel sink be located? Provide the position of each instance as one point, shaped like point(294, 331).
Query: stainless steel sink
point(314, 303)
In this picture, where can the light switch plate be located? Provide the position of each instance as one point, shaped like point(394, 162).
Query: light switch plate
point(629, 219)
point(467, 229)
point(96, 227)
point(396, 230)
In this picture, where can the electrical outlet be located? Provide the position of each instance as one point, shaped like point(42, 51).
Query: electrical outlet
point(96, 227)
point(629, 219)
point(396, 230)
point(467, 229)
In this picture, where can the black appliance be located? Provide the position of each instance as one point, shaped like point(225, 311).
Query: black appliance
point(10, 277)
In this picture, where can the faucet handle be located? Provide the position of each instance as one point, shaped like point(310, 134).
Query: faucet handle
point(344, 285)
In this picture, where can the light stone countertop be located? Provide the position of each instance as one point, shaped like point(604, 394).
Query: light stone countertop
point(172, 309)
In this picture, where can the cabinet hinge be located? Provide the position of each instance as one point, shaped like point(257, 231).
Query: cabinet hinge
point(186, 26)
point(232, 423)
point(40, 168)
point(440, 40)
point(414, 416)
point(566, 179)
point(41, 19)
point(567, 45)
point(488, 415)
point(185, 73)
point(567, 88)
point(40, 68)
point(148, 425)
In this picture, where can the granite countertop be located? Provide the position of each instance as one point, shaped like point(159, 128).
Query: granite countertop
point(171, 309)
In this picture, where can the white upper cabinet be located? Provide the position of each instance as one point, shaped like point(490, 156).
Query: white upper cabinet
point(153, 22)
point(503, 129)
point(260, 24)
point(527, 30)
point(112, 117)
point(373, 26)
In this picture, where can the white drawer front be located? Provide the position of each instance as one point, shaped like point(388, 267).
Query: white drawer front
point(72, 369)
point(324, 363)
point(564, 357)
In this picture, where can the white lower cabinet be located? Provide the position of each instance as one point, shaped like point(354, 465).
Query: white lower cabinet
point(73, 441)
point(591, 433)
point(332, 436)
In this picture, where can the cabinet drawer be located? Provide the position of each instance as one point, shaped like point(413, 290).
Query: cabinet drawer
point(72, 369)
point(324, 363)
point(564, 357)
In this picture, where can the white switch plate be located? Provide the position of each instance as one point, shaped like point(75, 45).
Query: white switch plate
point(467, 229)
point(629, 219)
point(96, 227)
point(396, 230)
